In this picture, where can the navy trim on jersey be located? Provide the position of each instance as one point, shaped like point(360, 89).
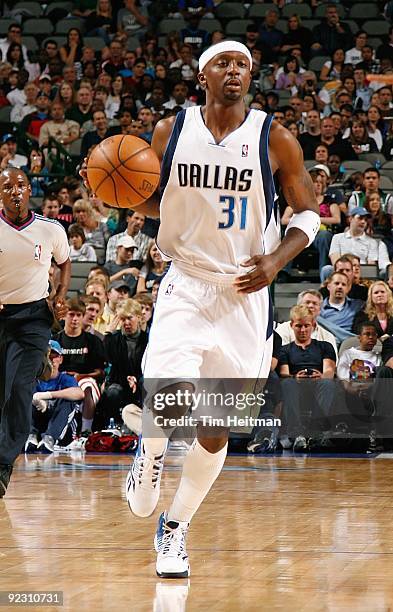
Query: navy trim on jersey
point(18, 228)
point(267, 175)
point(170, 149)
point(270, 321)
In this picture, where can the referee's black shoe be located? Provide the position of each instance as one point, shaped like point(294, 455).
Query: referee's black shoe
point(5, 475)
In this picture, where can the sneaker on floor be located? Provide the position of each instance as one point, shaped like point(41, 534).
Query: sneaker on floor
point(170, 544)
point(31, 443)
point(47, 444)
point(300, 445)
point(5, 475)
point(143, 482)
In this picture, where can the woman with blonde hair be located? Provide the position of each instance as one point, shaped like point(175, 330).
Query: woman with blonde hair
point(378, 309)
point(154, 269)
point(96, 232)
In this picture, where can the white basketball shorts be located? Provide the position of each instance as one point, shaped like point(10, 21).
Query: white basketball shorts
point(206, 330)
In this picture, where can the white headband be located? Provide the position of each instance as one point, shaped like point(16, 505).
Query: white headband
point(223, 47)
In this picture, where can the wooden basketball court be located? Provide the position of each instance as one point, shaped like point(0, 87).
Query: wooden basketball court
point(284, 533)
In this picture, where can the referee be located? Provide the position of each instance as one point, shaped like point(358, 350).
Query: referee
point(27, 244)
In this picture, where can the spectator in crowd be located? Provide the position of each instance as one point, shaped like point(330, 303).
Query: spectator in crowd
point(193, 35)
point(100, 22)
point(146, 302)
point(50, 208)
point(124, 349)
point(378, 309)
point(100, 132)
point(125, 267)
point(379, 222)
point(154, 269)
point(79, 250)
point(96, 232)
point(338, 310)
point(98, 287)
point(93, 309)
point(297, 37)
point(269, 34)
point(14, 35)
point(355, 240)
point(356, 368)
point(306, 359)
point(187, 63)
point(83, 358)
point(71, 52)
point(360, 140)
point(312, 299)
point(81, 111)
point(389, 273)
point(333, 68)
point(145, 115)
point(385, 50)
point(62, 130)
point(66, 212)
point(135, 223)
point(27, 106)
point(55, 404)
point(37, 172)
point(14, 159)
point(179, 97)
point(132, 20)
point(375, 125)
point(354, 56)
point(334, 165)
point(321, 154)
point(385, 98)
point(310, 138)
point(202, 8)
point(291, 77)
point(31, 124)
point(345, 265)
point(331, 33)
point(335, 144)
point(66, 96)
point(371, 179)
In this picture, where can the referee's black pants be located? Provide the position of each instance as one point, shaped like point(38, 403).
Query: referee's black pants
point(24, 337)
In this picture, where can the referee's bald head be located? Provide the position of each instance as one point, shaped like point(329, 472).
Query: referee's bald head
point(12, 171)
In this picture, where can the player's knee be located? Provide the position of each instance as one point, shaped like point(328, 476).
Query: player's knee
point(213, 439)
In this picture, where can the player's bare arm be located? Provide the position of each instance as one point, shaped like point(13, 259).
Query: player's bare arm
point(286, 159)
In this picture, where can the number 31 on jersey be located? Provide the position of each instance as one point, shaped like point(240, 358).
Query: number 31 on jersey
point(229, 211)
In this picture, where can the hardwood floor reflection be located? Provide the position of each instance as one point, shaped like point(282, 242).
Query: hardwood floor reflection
point(287, 533)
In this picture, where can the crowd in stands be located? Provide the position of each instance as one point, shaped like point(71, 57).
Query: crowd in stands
point(108, 67)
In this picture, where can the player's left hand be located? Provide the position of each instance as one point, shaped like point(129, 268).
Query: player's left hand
point(262, 275)
point(60, 308)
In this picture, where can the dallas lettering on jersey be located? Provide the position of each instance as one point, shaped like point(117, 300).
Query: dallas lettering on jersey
point(214, 177)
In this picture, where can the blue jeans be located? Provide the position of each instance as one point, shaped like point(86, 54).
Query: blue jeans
point(322, 244)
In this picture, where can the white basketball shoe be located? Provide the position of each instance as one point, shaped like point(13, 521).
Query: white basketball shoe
point(143, 482)
point(170, 544)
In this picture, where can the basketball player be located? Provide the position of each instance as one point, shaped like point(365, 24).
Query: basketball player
point(220, 228)
point(27, 244)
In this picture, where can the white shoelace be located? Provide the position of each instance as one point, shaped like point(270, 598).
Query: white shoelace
point(173, 542)
point(144, 466)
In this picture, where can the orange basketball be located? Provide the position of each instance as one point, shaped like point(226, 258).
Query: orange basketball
point(123, 171)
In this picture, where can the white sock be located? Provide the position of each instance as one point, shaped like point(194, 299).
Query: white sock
point(86, 424)
point(155, 446)
point(200, 470)
point(154, 439)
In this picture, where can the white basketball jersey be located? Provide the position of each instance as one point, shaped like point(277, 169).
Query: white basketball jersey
point(218, 205)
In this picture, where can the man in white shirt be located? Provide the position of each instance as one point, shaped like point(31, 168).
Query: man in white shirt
point(355, 241)
point(354, 56)
point(28, 243)
point(179, 97)
point(14, 34)
point(186, 62)
point(313, 300)
point(28, 106)
point(360, 362)
point(16, 160)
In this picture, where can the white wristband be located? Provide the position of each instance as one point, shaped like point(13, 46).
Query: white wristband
point(308, 221)
point(46, 395)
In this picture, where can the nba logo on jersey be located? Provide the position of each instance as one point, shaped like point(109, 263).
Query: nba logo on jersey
point(245, 150)
point(37, 252)
point(169, 289)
